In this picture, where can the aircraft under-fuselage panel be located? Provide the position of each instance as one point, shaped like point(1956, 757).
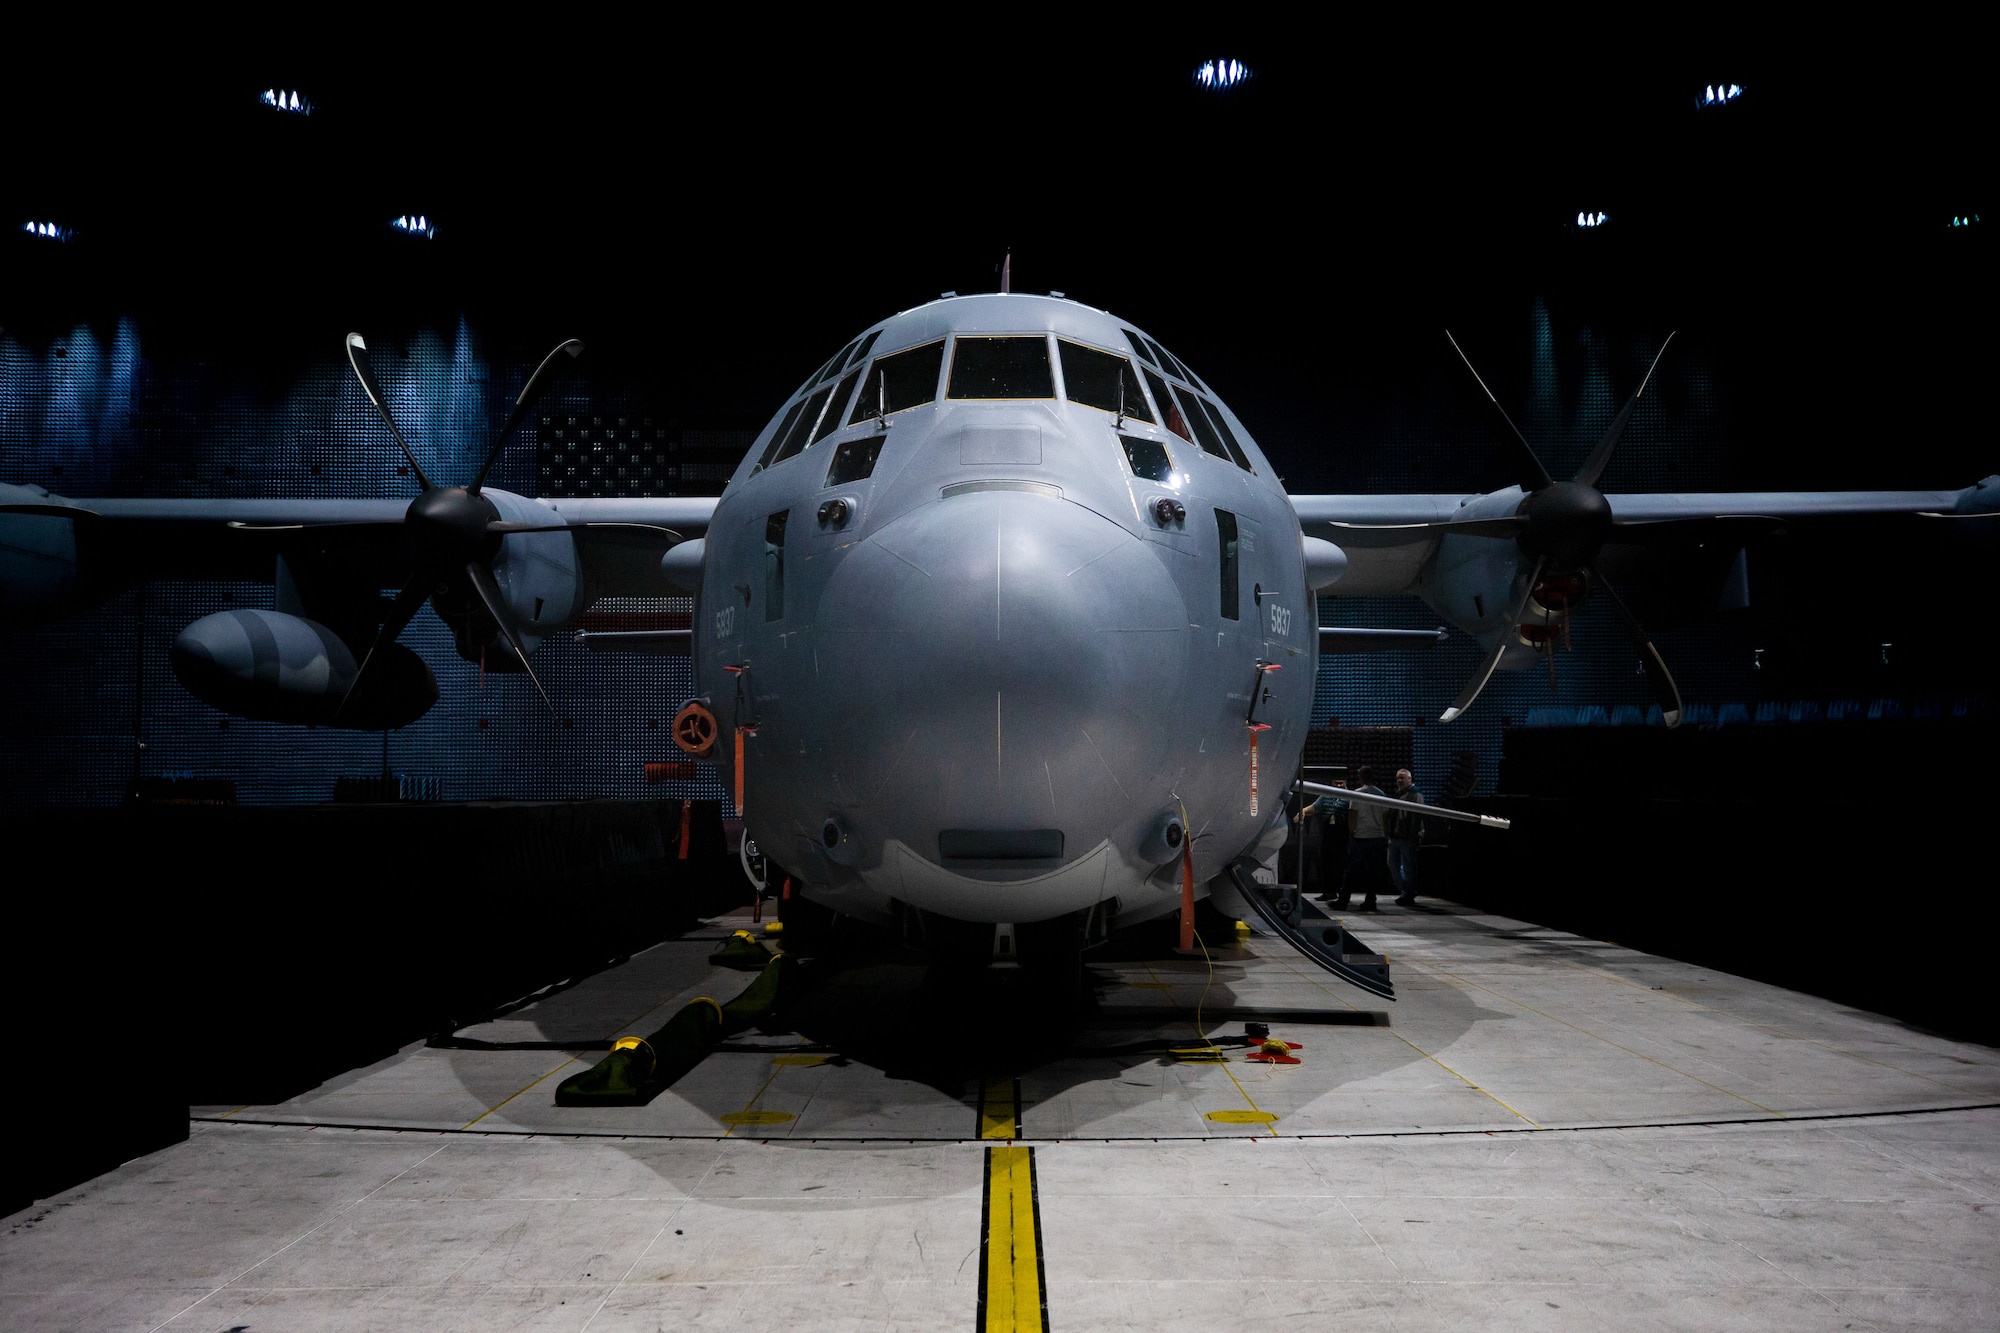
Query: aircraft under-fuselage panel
point(1003, 621)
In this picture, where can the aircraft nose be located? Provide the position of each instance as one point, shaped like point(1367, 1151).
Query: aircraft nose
point(1007, 659)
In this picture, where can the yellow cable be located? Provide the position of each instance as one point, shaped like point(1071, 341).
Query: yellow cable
point(1199, 1030)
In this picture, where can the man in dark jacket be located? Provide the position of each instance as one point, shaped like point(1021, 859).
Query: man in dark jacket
point(1406, 831)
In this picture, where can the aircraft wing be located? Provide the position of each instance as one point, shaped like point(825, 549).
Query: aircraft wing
point(1388, 538)
point(1634, 509)
point(87, 548)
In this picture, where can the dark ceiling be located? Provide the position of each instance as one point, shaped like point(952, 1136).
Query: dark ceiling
point(715, 217)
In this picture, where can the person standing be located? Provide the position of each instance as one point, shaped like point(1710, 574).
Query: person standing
point(1406, 831)
point(1367, 843)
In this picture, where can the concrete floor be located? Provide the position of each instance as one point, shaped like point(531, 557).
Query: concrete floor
point(1546, 1132)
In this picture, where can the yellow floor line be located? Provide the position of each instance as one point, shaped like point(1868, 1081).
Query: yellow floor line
point(1783, 1034)
point(1522, 1004)
point(1013, 1291)
point(751, 1105)
point(497, 1105)
point(1271, 1125)
point(1482, 1091)
point(1000, 1108)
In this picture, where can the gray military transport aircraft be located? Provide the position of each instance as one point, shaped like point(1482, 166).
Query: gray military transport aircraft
point(1004, 629)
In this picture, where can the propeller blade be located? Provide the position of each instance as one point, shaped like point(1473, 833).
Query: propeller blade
point(1657, 675)
point(355, 345)
point(489, 593)
point(530, 393)
point(1600, 457)
point(1535, 475)
point(1485, 673)
point(408, 602)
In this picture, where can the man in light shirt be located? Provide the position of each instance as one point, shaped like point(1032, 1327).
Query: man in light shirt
point(1367, 844)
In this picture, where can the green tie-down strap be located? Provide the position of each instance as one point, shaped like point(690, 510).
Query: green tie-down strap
point(639, 1069)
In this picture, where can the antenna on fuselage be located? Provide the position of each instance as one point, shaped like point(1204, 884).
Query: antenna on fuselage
point(1007, 271)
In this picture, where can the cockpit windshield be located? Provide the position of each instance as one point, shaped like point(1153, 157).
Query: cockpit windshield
point(1101, 380)
point(899, 381)
point(1008, 367)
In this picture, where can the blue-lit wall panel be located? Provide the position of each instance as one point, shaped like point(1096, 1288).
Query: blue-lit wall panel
point(92, 704)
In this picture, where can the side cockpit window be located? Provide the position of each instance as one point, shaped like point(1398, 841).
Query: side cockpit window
point(1194, 418)
point(854, 460)
point(1007, 367)
point(1170, 411)
point(1101, 380)
point(899, 381)
point(1148, 458)
point(862, 346)
point(801, 432)
point(818, 414)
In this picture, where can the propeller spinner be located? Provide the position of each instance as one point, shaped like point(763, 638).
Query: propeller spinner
point(454, 532)
point(1560, 527)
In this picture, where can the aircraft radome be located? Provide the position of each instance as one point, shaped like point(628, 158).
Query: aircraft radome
point(1004, 629)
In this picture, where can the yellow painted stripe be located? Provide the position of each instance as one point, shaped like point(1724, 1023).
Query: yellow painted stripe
point(1013, 1296)
point(1574, 1027)
point(749, 1114)
point(1000, 1108)
point(1317, 978)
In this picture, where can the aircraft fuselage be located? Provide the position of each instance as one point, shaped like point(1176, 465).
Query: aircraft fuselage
point(983, 640)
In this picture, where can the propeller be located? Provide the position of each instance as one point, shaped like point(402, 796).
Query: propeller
point(1561, 526)
point(454, 532)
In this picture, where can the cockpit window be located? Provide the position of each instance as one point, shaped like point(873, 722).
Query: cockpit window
point(779, 435)
point(1148, 458)
point(840, 358)
point(829, 422)
point(899, 381)
point(801, 432)
point(1204, 424)
point(1001, 368)
point(1228, 436)
point(1170, 412)
point(1141, 346)
point(1101, 380)
point(854, 460)
point(1161, 357)
point(1178, 366)
point(861, 348)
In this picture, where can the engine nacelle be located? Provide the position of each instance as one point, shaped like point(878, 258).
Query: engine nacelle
point(274, 667)
point(540, 581)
